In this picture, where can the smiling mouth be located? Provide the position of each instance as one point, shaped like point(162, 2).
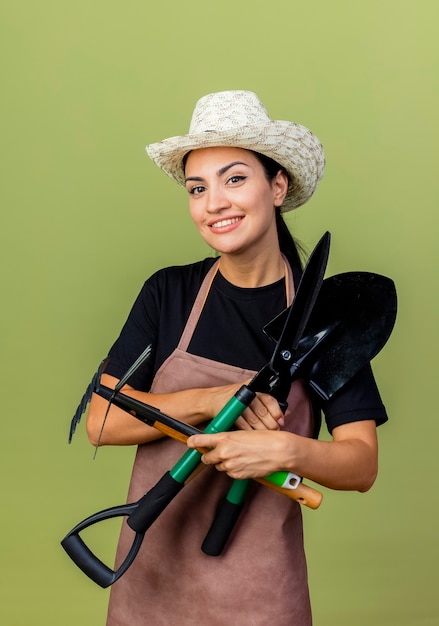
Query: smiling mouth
point(228, 222)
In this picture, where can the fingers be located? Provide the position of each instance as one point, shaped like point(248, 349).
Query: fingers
point(263, 413)
point(206, 441)
point(222, 453)
point(203, 441)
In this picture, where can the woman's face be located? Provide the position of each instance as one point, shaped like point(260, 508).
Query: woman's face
point(231, 201)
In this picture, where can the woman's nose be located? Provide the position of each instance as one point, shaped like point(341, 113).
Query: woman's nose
point(217, 200)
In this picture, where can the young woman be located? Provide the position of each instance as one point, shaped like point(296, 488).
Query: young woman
point(204, 322)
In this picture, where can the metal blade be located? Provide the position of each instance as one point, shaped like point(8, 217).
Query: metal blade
point(134, 367)
point(304, 300)
point(366, 304)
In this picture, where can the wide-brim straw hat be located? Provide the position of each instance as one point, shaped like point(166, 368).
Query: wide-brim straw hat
point(238, 119)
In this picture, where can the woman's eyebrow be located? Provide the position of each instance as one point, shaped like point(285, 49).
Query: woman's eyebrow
point(224, 169)
point(196, 178)
point(220, 172)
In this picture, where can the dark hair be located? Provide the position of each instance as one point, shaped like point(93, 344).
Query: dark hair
point(288, 246)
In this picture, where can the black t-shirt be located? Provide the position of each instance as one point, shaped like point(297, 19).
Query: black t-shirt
point(229, 330)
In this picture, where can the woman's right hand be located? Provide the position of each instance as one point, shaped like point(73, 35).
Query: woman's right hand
point(193, 406)
point(263, 413)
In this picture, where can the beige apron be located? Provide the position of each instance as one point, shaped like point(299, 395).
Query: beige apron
point(260, 578)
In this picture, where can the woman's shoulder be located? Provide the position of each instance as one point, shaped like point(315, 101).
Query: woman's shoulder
point(191, 274)
point(195, 270)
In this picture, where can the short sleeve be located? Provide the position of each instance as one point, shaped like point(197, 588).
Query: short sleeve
point(157, 319)
point(358, 400)
point(138, 332)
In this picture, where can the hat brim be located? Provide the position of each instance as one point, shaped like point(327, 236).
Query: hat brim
point(293, 146)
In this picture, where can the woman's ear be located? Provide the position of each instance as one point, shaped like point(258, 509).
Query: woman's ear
point(280, 187)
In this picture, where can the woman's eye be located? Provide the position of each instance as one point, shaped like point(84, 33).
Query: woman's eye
point(196, 190)
point(235, 179)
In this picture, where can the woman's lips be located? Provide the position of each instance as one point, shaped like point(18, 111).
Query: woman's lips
point(224, 223)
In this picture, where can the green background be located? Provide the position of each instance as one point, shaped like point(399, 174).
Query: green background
point(86, 217)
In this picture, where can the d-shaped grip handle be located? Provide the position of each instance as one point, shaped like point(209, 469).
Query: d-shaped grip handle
point(140, 516)
point(88, 562)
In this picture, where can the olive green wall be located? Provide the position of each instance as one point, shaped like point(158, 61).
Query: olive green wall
point(86, 217)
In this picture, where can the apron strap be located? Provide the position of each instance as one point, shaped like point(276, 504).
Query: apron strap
point(289, 281)
point(197, 307)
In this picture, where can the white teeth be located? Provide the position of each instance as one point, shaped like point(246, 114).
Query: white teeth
point(225, 222)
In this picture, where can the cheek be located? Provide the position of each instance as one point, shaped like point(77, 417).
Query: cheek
point(195, 212)
point(192, 211)
point(266, 204)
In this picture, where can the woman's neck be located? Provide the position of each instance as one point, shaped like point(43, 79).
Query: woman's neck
point(245, 270)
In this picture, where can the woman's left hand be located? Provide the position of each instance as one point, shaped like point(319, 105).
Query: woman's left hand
point(348, 462)
point(242, 453)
